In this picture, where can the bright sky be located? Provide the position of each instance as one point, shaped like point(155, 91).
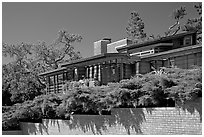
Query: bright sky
point(37, 22)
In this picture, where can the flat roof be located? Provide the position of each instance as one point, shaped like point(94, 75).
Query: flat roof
point(51, 71)
point(157, 45)
point(64, 65)
point(172, 51)
point(146, 43)
point(94, 57)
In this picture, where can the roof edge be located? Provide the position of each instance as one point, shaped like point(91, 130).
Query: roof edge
point(156, 40)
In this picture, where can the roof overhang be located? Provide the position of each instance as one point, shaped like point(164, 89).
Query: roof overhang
point(174, 52)
point(84, 62)
point(162, 39)
point(53, 71)
point(94, 58)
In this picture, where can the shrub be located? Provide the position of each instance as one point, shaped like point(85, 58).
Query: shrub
point(62, 112)
point(50, 104)
point(9, 122)
point(146, 100)
point(133, 83)
point(149, 90)
point(6, 108)
point(166, 82)
point(29, 112)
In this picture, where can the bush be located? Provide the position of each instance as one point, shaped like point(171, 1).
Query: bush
point(49, 105)
point(149, 90)
point(9, 122)
point(28, 112)
point(43, 106)
point(80, 100)
point(134, 83)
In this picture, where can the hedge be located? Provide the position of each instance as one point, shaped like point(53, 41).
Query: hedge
point(149, 90)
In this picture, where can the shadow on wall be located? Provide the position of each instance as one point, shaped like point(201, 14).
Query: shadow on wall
point(130, 119)
point(192, 106)
point(33, 128)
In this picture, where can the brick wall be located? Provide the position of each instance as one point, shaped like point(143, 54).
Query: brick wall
point(183, 119)
point(15, 132)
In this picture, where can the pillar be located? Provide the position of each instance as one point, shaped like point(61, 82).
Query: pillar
point(137, 67)
point(99, 72)
point(87, 72)
point(54, 83)
point(114, 72)
point(90, 72)
point(95, 72)
point(75, 74)
point(48, 84)
point(63, 77)
point(57, 82)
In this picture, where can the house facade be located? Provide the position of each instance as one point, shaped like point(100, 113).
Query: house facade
point(114, 61)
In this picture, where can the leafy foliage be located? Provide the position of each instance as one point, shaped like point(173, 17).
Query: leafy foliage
point(59, 52)
point(194, 24)
point(149, 90)
point(20, 77)
point(188, 83)
point(177, 14)
point(19, 85)
point(135, 28)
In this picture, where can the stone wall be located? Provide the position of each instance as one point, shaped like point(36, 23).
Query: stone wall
point(183, 119)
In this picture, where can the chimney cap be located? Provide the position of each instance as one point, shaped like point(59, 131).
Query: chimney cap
point(107, 39)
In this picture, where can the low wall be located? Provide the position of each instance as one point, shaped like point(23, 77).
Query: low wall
point(185, 119)
point(15, 132)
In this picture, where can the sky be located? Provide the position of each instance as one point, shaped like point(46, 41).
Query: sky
point(40, 22)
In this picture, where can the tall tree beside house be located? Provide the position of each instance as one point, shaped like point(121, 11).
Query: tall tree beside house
point(195, 24)
point(177, 14)
point(60, 51)
point(135, 28)
point(20, 78)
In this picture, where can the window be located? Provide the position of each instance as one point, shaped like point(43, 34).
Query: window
point(51, 82)
point(181, 41)
point(143, 53)
point(172, 63)
point(60, 78)
point(188, 40)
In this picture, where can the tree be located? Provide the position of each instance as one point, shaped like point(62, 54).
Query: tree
point(20, 77)
point(60, 51)
point(195, 24)
point(135, 28)
point(19, 84)
point(178, 14)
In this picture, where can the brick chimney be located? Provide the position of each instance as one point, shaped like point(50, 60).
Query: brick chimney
point(100, 47)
